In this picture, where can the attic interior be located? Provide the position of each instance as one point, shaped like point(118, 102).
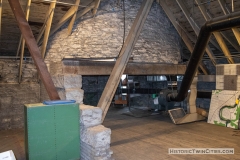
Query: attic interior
point(119, 79)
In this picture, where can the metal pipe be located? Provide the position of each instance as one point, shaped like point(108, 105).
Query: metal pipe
point(215, 24)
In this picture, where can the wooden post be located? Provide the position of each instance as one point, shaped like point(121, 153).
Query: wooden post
point(22, 41)
point(0, 17)
point(97, 2)
point(124, 55)
point(33, 48)
point(48, 27)
point(70, 26)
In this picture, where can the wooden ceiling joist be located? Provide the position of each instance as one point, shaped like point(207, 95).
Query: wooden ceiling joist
point(48, 27)
point(123, 58)
point(181, 32)
point(22, 41)
point(70, 26)
point(196, 29)
point(217, 35)
point(235, 29)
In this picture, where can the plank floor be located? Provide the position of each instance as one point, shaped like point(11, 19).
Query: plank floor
point(148, 138)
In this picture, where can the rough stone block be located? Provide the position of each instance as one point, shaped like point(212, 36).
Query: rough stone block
point(67, 81)
point(74, 94)
point(90, 115)
point(97, 136)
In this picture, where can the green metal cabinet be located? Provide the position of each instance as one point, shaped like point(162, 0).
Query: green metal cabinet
point(52, 132)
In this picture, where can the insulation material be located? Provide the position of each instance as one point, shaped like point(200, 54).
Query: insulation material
point(224, 108)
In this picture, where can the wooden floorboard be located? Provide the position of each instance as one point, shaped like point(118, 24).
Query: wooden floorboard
point(148, 138)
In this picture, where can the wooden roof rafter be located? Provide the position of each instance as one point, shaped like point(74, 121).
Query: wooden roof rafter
point(217, 35)
point(181, 32)
point(196, 29)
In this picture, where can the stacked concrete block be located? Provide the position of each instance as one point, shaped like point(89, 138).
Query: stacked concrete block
point(69, 86)
point(95, 138)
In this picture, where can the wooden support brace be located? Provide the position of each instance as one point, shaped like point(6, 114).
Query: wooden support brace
point(67, 16)
point(234, 29)
point(48, 27)
point(70, 26)
point(33, 48)
point(0, 17)
point(22, 41)
point(124, 55)
point(97, 2)
point(195, 28)
point(217, 35)
point(181, 32)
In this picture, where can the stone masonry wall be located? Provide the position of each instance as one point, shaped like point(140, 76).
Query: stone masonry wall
point(13, 95)
point(102, 36)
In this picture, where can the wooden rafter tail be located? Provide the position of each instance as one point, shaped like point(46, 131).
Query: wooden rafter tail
point(217, 35)
point(48, 27)
point(196, 29)
point(23, 44)
point(185, 36)
point(33, 49)
point(123, 58)
point(70, 26)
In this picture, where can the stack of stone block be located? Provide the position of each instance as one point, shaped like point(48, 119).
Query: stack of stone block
point(69, 87)
point(95, 138)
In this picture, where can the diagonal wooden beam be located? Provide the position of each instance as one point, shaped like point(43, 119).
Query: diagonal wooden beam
point(195, 28)
point(217, 35)
point(48, 27)
point(0, 17)
point(33, 48)
point(97, 2)
point(234, 29)
point(231, 41)
point(123, 58)
point(23, 43)
point(68, 15)
point(181, 32)
point(70, 26)
point(42, 30)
